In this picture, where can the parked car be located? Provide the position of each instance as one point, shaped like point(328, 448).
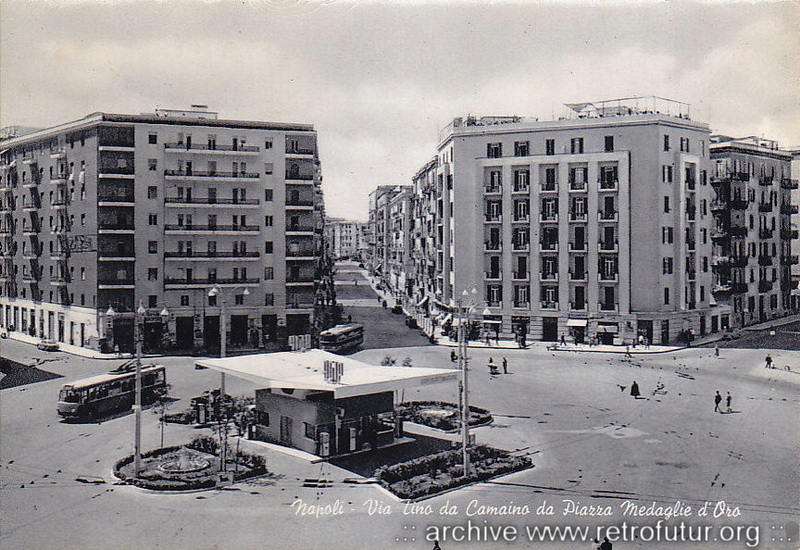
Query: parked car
point(47, 345)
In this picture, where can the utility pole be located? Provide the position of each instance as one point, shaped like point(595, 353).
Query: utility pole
point(137, 406)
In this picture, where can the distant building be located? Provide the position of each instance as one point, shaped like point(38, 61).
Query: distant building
point(103, 214)
point(382, 243)
point(593, 226)
point(344, 237)
point(752, 234)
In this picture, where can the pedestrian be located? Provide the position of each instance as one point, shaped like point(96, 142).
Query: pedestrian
point(563, 340)
point(641, 339)
point(716, 350)
point(436, 545)
point(728, 400)
point(635, 390)
point(606, 545)
point(628, 352)
point(717, 401)
point(647, 343)
point(505, 365)
point(768, 361)
point(453, 356)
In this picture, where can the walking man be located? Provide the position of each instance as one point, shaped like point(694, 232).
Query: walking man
point(563, 340)
point(717, 401)
point(716, 350)
point(628, 352)
point(505, 365)
point(768, 361)
point(728, 400)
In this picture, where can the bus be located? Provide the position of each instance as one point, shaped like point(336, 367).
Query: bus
point(342, 338)
point(100, 395)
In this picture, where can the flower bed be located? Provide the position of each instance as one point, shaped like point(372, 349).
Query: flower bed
point(441, 415)
point(187, 467)
point(432, 474)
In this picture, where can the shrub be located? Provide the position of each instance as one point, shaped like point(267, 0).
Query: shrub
point(205, 444)
point(388, 361)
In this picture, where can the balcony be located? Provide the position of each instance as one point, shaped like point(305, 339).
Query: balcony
point(492, 246)
point(548, 217)
point(209, 148)
point(31, 279)
point(30, 206)
point(303, 280)
point(60, 280)
point(304, 203)
point(577, 247)
point(608, 246)
point(739, 261)
point(196, 174)
point(719, 233)
point(578, 306)
point(107, 282)
point(520, 246)
point(787, 183)
point(300, 229)
point(209, 201)
point(608, 306)
point(6, 231)
point(520, 275)
point(790, 209)
point(691, 275)
point(607, 184)
point(172, 283)
point(765, 207)
point(548, 246)
point(521, 304)
point(491, 189)
point(58, 179)
point(300, 177)
point(494, 275)
point(185, 255)
point(522, 218)
point(548, 304)
point(577, 186)
point(520, 188)
point(115, 227)
point(125, 172)
point(212, 228)
point(577, 275)
point(764, 260)
point(607, 215)
point(764, 285)
point(577, 216)
point(738, 204)
point(301, 255)
point(549, 276)
point(299, 151)
point(549, 188)
point(295, 304)
point(609, 277)
point(788, 234)
point(738, 231)
point(31, 230)
point(59, 255)
point(765, 233)
point(494, 303)
point(719, 261)
point(33, 257)
point(765, 180)
point(493, 218)
point(59, 203)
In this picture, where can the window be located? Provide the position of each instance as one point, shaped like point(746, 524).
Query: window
point(152, 164)
point(152, 192)
point(152, 247)
point(83, 219)
point(268, 168)
point(269, 273)
point(152, 273)
point(667, 266)
point(685, 145)
point(262, 418)
point(152, 139)
point(83, 274)
point(666, 173)
point(494, 150)
point(576, 145)
point(212, 300)
point(521, 148)
point(666, 142)
point(83, 299)
point(268, 221)
point(152, 219)
point(309, 430)
point(268, 195)
point(269, 299)
point(268, 144)
point(702, 294)
point(268, 247)
point(184, 299)
point(550, 147)
point(609, 143)
point(666, 205)
point(666, 296)
point(152, 300)
point(239, 299)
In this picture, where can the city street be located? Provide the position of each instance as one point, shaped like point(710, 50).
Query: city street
point(590, 441)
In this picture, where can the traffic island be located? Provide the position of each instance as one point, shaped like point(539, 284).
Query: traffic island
point(189, 467)
point(441, 415)
point(431, 475)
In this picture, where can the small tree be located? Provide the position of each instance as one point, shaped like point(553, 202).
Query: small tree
point(160, 406)
point(388, 361)
point(407, 362)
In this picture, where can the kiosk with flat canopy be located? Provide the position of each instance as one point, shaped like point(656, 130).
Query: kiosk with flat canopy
point(323, 403)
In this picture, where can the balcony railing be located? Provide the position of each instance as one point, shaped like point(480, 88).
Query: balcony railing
point(577, 275)
point(292, 176)
point(210, 281)
point(521, 218)
point(522, 304)
point(211, 174)
point(548, 304)
point(788, 183)
point(550, 246)
point(577, 186)
point(607, 215)
point(300, 253)
point(305, 228)
point(206, 227)
point(308, 278)
point(577, 247)
point(788, 234)
point(520, 188)
point(299, 151)
point(791, 209)
point(607, 306)
point(211, 147)
point(116, 198)
point(520, 246)
point(609, 277)
point(608, 246)
point(299, 202)
point(765, 207)
point(116, 226)
point(764, 260)
point(208, 200)
point(607, 184)
point(721, 288)
point(718, 233)
point(493, 218)
point(764, 285)
point(186, 254)
point(294, 304)
point(116, 281)
point(738, 204)
point(718, 205)
point(491, 188)
point(548, 275)
point(765, 233)
point(520, 275)
point(765, 180)
point(494, 275)
point(577, 216)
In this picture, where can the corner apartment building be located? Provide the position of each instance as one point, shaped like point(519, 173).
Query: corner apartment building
point(752, 234)
point(105, 213)
point(383, 229)
point(344, 237)
point(595, 225)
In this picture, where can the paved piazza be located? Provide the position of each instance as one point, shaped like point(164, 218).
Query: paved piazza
point(591, 442)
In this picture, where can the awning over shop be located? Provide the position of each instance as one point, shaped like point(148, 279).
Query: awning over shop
point(306, 370)
point(492, 322)
point(447, 318)
point(576, 322)
point(422, 302)
point(612, 329)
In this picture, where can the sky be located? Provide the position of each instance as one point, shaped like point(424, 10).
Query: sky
point(379, 80)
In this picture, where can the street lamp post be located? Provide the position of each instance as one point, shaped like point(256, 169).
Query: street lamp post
point(137, 406)
point(463, 363)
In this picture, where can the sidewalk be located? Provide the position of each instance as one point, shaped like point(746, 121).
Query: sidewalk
point(67, 348)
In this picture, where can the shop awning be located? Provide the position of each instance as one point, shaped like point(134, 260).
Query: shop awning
point(576, 322)
point(492, 322)
point(422, 302)
point(612, 329)
point(447, 318)
point(305, 370)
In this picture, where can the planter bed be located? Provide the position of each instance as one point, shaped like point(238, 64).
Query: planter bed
point(441, 415)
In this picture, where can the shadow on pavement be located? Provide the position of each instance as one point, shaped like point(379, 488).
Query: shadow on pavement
point(365, 464)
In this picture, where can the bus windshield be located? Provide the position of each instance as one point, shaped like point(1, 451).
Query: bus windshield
point(69, 396)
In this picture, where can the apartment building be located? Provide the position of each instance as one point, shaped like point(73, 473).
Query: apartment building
point(593, 226)
point(344, 237)
point(752, 233)
point(103, 214)
point(382, 207)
